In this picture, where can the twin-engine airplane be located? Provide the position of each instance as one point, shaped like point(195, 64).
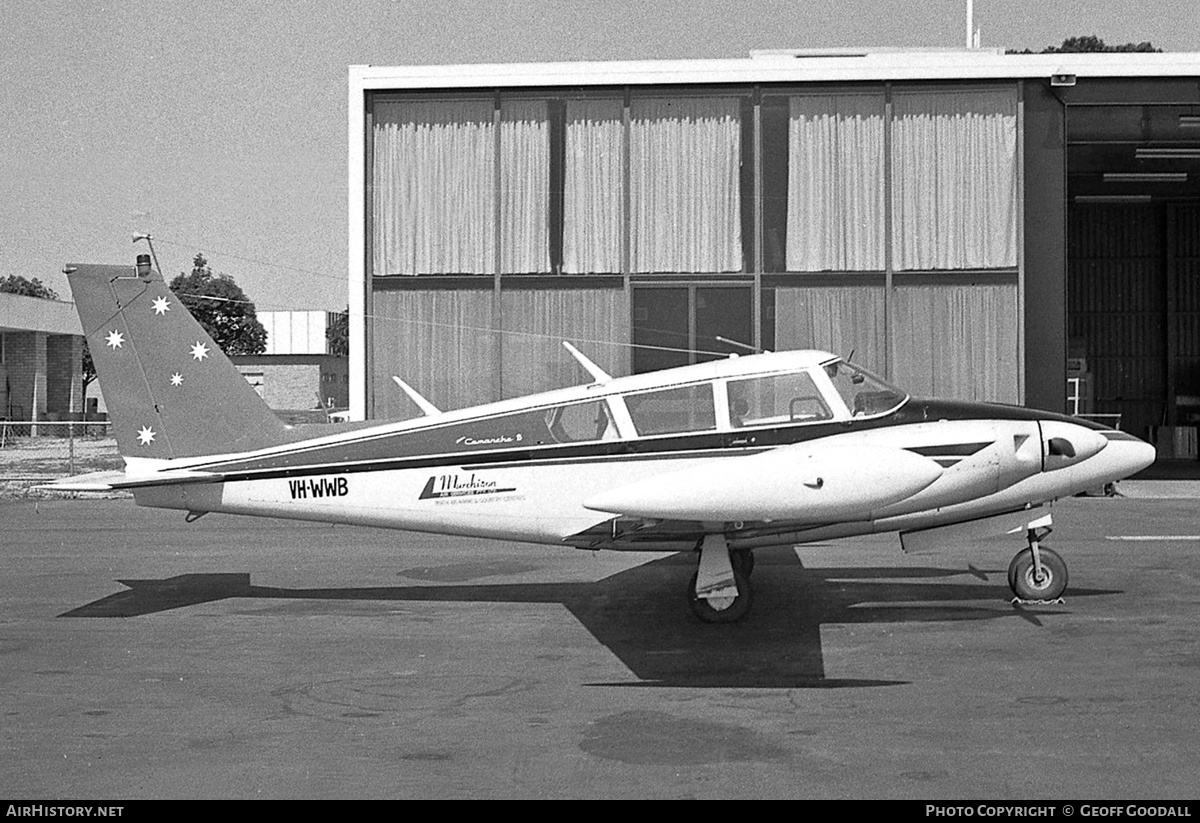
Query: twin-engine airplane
point(720, 458)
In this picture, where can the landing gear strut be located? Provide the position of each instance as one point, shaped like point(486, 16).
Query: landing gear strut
point(1037, 573)
point(719, 591)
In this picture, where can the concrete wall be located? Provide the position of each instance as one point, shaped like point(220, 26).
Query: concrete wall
point(25, 357)
point(43, 375)
point(64, 384)
point(296, 382)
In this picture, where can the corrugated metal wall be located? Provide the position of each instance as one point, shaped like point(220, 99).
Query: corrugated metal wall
point(1185, 260)
point(1116, 300)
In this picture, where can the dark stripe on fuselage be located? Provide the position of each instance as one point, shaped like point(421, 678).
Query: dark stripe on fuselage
point(387, 452)
point(951, 450)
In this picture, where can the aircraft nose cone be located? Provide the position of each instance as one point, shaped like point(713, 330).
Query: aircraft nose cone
point(1142, 455)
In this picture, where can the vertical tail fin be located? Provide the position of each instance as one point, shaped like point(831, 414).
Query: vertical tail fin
point(169, 389)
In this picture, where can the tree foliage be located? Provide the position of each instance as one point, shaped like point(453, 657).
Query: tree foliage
point(16, 284)
point(337, 334)
point(222, 308)
point(1090, 44)
point(89, 367)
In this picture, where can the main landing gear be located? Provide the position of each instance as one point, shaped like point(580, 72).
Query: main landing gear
point(1037, 573)
point(719, 591)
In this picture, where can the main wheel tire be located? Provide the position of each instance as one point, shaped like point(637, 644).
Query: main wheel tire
point(742, 561)
point(1024, 582)
point(722, 610)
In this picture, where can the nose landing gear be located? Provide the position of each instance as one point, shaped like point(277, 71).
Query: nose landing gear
point(1037, 573)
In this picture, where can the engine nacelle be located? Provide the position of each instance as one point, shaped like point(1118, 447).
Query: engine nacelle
point(1066, 444)
point(811, 484)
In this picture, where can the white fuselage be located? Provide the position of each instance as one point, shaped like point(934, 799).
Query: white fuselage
point(839, 487)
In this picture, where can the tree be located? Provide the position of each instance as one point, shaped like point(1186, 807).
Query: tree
point(1091, 44)
point(16, 284)
point(89, 367)
point(222, 308)
point(337, 334)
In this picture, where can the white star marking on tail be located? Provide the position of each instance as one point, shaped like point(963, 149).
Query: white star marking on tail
point(115, 339)
point(177, 379)
point(199, 351)
point(161, 306)
point(146, 435)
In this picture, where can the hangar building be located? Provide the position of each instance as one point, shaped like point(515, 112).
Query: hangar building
point(41, 356)
point(971, 224)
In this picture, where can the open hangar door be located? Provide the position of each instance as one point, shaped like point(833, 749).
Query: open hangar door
point(1133, 259)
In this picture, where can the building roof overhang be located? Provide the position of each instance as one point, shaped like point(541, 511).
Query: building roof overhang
point(817, 66)
point(19, 313)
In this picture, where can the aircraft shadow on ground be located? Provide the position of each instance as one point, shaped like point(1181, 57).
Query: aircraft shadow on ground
point(641, 616)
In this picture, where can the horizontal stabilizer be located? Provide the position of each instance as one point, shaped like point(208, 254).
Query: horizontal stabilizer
point(117, 480)
point(93, 482)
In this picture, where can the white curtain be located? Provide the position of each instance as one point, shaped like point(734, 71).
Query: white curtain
point(835, 183)
point(440, 342)
point(954, 192)
point(434, 188)
point(840, 320)
point(958, 342)
point(537, 321)
point(594, 186)
point(524, 187)
point(684, 157)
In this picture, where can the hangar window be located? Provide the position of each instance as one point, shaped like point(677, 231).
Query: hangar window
point(685, 157)
point(437, 164)
point(823, 190)
point(954, 186)
point(523, 185)
point(672, 411)
point(953, 167)
point(593, 186)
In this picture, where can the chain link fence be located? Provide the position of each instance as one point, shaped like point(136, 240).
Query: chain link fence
point(33, 452)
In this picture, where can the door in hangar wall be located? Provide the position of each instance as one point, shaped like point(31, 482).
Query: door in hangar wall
point(679, 325)
point(1133, 313)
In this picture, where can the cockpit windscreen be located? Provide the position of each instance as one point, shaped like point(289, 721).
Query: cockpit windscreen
point(864, 394)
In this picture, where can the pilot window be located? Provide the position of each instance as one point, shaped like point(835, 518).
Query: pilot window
point(670, 411)
point(775, 399)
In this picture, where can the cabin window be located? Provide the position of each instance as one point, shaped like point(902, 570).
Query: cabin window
point(776, 399)
point(671, 411)
point(581, 422)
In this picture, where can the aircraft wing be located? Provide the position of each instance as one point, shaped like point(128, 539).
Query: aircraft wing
point(795, 482)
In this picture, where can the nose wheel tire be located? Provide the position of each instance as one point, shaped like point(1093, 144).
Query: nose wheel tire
point(721, 609)
point(1024, 581)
